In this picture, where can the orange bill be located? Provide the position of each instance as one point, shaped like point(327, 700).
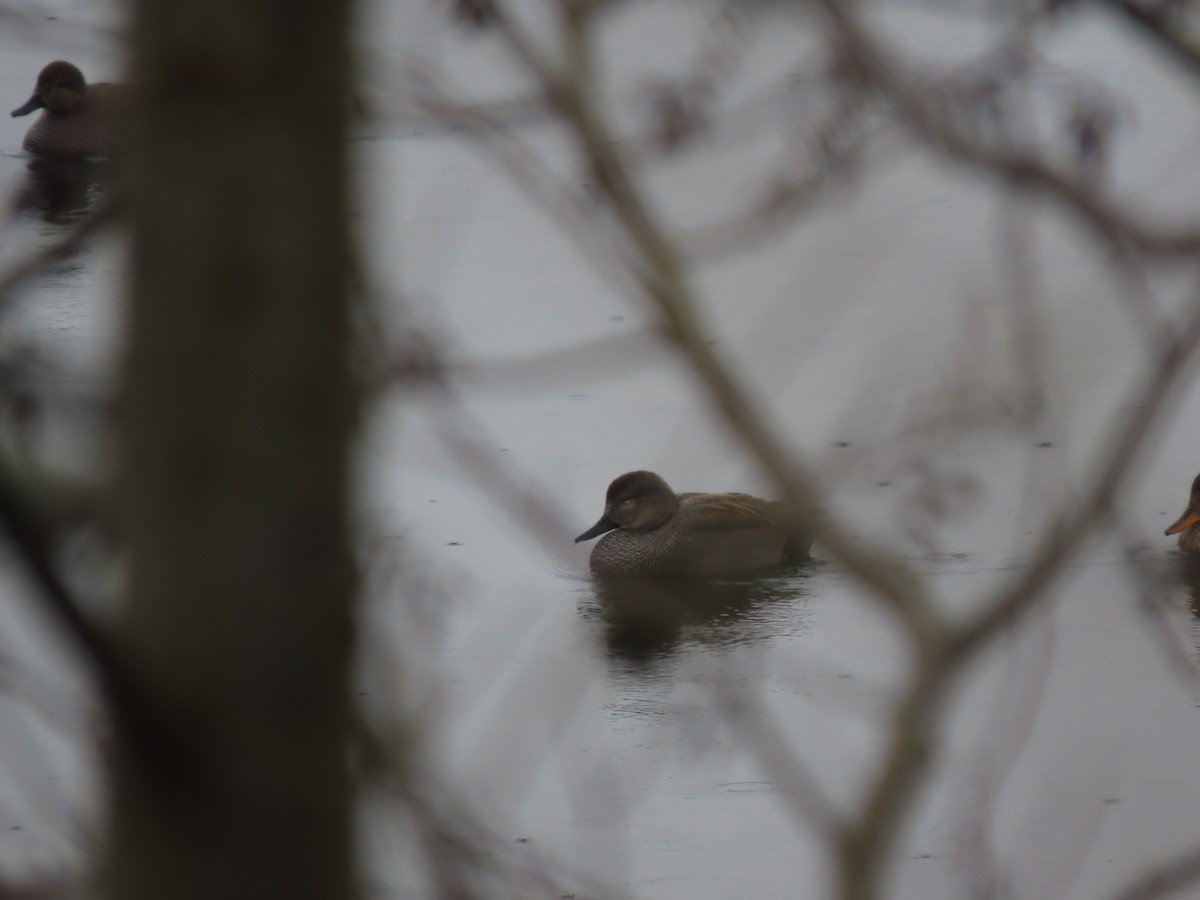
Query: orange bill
point(1187, 520)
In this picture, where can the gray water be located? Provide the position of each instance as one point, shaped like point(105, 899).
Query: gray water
point(575, 740)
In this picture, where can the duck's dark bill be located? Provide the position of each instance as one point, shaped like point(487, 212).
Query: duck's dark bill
point(30, 105)
point(605, 524)
point(1187, 520)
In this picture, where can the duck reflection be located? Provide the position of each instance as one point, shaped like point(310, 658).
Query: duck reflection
point(1187, 569)
point(60, 190)
point(643, 619)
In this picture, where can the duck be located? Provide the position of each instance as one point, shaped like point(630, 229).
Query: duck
point(78, 119)
point(1187, 526)
point(648, 529)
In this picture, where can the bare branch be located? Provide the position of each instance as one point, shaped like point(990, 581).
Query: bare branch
point(1114, 224)
point(1159, 27)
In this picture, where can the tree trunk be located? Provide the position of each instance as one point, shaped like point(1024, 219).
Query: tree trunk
point(239, 406)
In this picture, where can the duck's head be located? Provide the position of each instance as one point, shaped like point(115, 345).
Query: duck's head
point(636, 501)
point(60, 88)
point(1191, 515)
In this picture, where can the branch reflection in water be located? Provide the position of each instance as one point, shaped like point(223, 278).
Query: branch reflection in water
point(644, 619)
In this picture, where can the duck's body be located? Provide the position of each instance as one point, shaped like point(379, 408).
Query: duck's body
point(650, 530)
point(1187, 526)
point(78, 119)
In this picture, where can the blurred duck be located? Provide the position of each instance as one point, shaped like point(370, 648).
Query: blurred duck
point(77, 119)
point(1187, 526)
point(650, 530)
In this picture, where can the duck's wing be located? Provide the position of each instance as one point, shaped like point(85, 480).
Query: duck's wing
point(742, 513)
point(732, 512)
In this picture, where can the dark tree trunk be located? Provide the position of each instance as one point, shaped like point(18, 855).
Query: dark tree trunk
point(239, 405)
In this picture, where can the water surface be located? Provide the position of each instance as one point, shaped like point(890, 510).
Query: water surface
point(626, 742)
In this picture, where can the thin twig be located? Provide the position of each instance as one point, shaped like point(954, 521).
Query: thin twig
point(1115, 225)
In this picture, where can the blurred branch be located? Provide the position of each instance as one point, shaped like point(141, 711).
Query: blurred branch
point(779, 207)
point(420, 364)
point(123, 694)
point(563, 201)
point(1167, 879)
point(460, 849)
point(1161, 28)
point(1109, 473)
point(105, 213)
point(872, 62)
point(584, 363)
point(1151, 588)
point(764, 738)
point(526, 507)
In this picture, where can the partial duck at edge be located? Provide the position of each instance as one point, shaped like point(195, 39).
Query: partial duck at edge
point(1187, 526)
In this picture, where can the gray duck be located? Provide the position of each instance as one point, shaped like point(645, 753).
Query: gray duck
point(650, 530)
point(78, 119)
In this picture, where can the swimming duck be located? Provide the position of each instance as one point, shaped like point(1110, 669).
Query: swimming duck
point(650, 530)
point(1187, 526)
point(77, 119)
